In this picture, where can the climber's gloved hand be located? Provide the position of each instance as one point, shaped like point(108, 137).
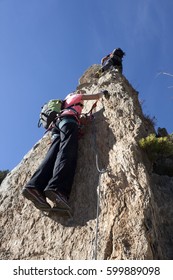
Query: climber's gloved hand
point(105, 93)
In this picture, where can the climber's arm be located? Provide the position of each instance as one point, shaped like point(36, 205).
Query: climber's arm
point(92, 96)
point(105, 58)
point(95, 96)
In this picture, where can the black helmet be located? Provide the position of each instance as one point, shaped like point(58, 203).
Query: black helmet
point(118, 52)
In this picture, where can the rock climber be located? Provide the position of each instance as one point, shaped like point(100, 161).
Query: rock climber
point(114, 59)
point(54, 177)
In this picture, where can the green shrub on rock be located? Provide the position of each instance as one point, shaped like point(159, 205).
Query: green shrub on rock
point(157, 146)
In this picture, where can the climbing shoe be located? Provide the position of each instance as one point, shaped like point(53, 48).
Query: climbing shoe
point(36, 197)
point(57, 198)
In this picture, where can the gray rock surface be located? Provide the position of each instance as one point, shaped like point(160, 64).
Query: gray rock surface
point(135, 207)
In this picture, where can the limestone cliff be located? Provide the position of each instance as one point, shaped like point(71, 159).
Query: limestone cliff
point(135, 207)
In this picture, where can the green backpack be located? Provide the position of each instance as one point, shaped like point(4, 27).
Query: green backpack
point(49, 112)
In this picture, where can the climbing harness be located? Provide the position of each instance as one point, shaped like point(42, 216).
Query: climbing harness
point(100, 171)
point(89, 114)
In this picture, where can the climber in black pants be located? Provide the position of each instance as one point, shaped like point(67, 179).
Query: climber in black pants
point(54, 177)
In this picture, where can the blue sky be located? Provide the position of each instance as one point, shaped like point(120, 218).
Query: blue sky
point(46, 45)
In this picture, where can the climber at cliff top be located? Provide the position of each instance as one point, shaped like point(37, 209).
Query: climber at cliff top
point(114, 59)
point(54, 177)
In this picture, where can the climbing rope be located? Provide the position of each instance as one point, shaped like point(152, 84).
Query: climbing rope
point(100, 171)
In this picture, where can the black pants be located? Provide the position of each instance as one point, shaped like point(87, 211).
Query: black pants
point(57, 170)
point(116, 64)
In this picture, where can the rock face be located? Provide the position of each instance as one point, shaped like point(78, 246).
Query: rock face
point(135, 206)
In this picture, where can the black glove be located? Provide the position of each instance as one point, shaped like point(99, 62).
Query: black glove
point(106, 93)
